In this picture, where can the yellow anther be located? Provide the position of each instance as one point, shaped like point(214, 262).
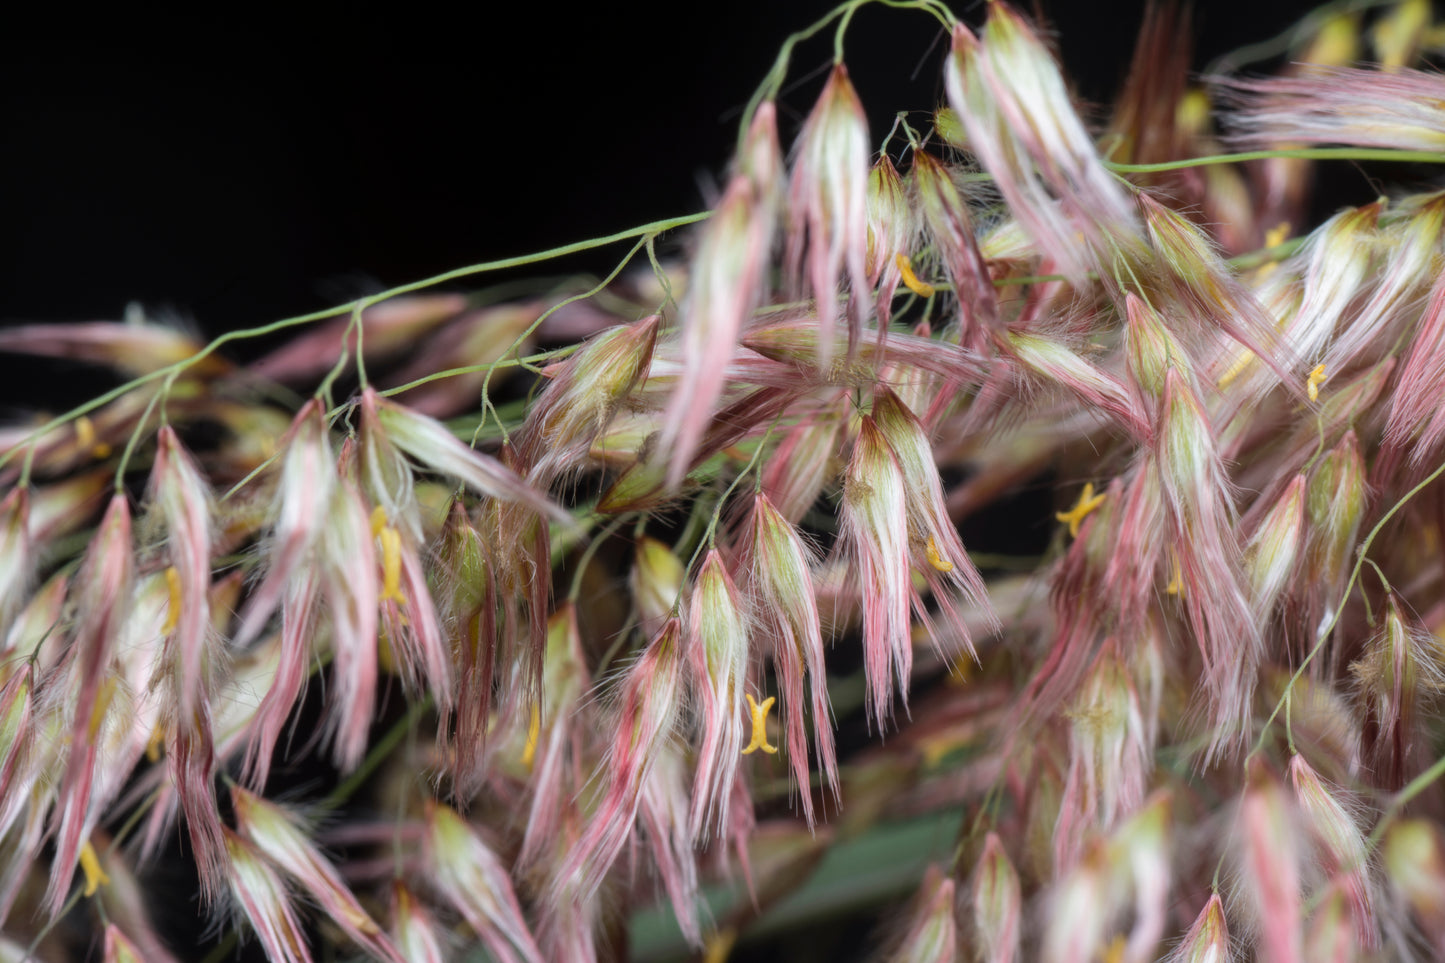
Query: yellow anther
point(534, 726)
point(1176, 580)
point(156, 743)
point(760, 725)
point(173, 605)
point(719, 945)
point(1316, 378)
point(378, 520)
point(936, 560)
point(1114, 951)
point(102, 705)
point(1087, 502)
point(85, 437)
point(910, 280)
point(391, 566)
point(95, 876)
point(1273, 238)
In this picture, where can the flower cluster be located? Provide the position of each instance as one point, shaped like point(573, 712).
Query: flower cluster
point(679, 627)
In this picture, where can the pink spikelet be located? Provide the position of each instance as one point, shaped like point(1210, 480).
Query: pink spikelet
point(780, 586)
point(996, 903)
point(1270, 869)
point(435, 448)
point(1340, 846)
point(308, 473)
point(932, 935)
point(1207, 940)
point(16, 559)
point(348, 571)
point(191, 662)
point(103, 598)
point(1110, 756)
point(828, 208)
point(1274, 551)
point(1197, 496)
point(875, 531)
point(716, 641)
point(1398, 109)
point(554, 745)
point(415, 933)
point(934, 546)
point(468, 875)
point(946, 216)
point(182, 498)
point(263, 898)
point(282, 838)
point(17, 742)
point(583, 395)
point(663, 814)
point(729, 278)
point(1415, 423)
point(467, 600)
point(1394, 674)
point(647, 715)
point(298, 625)
point(890, 234)
point(1007, 91)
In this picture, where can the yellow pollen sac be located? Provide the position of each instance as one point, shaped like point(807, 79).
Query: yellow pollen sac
point(85, 436)
point(1277, 235)
point(173, 609)
point(95, 876)
point(1176, 581)
point(391, 566)
point(378, 520)
point(534, 726)
point(935, 559)
point(1273, 238)
point(1316, 378)
point(760, 725)
point(1087, 502)
point(719, 945)
point(102, 705)
point(156, 743)
point(910, 280)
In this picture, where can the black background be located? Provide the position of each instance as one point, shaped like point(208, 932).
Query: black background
point(234, 171)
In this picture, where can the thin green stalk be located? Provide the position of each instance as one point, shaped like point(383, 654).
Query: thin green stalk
point(1302, 153)
point(177, 368)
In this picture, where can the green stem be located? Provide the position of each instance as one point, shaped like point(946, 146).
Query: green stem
point(1303, 153)
point(172, 370)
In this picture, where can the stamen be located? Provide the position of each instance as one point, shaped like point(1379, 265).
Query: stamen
point(1176, 581)
point(95, 876)
point(936, 560)
point(1316, 378)
point(719, 945)
point(760, 725)
point(391, 566)
point(156, 743)
point(910, 280)
point(534, 726)
point(1273, 237)
point(173, 610)
point(102, 704)
point(85, 436)
point(1087, 502)
point(378, 520)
